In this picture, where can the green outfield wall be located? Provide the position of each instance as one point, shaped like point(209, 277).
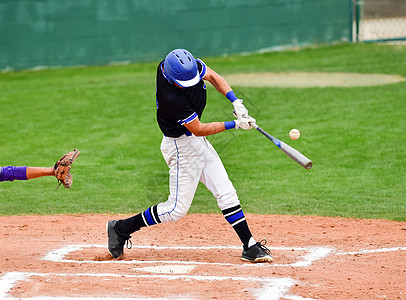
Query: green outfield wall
point(57, 33)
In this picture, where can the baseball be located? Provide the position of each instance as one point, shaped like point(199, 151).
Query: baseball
point(294, 134)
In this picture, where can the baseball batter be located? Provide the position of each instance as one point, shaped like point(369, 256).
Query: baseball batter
point(180, 101)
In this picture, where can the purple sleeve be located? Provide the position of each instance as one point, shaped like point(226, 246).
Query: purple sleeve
point(11, 173)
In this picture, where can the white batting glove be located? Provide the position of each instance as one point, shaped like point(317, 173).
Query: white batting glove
point(244, 123)
point(240, 111)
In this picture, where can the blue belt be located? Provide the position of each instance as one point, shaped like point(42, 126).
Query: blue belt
point(187, 133)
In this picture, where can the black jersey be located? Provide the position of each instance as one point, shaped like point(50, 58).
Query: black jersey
point(176, 106)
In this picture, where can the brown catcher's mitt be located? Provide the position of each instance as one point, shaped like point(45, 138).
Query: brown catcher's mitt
point(62, 168)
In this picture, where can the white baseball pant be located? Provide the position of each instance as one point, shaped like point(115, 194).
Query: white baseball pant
point(192, 159)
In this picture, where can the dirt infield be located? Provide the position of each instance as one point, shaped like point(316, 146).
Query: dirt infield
point(198, 257)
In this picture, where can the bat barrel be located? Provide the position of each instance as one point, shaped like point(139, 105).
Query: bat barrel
point(289, 151)
point(309, 165)
point(296, 156)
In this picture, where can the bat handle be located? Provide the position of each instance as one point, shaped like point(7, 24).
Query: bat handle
point(254, 125)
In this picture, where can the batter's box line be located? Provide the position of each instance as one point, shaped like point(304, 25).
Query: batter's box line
point(271, 288)
point(312, 254)
point(381, 250)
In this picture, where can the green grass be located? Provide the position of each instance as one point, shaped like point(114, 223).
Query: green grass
point(355, 137)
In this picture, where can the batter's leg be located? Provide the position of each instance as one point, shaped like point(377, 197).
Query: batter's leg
point(215, 178)
point(185, 162)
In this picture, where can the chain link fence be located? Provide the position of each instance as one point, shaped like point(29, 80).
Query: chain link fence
point(380, 20)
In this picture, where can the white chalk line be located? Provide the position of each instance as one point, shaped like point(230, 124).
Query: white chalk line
point(373, 251)
point(312, 254)
point(273, 288)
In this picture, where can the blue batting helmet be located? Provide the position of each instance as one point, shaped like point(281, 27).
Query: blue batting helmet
point(180, 67)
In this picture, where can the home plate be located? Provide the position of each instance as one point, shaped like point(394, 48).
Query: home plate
point(168, 269)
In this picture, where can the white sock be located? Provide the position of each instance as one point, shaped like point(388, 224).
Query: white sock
point(251, 242)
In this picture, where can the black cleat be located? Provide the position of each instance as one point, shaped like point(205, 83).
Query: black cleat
point(257, 253)
point(116, 240)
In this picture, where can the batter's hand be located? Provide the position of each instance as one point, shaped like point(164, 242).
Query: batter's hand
point(240, 111)
point(244, 123)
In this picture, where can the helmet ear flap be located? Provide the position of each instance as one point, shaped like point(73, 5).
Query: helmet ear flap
point(167, 77)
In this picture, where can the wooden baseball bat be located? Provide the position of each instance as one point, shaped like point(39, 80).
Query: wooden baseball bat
point(291, 152)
